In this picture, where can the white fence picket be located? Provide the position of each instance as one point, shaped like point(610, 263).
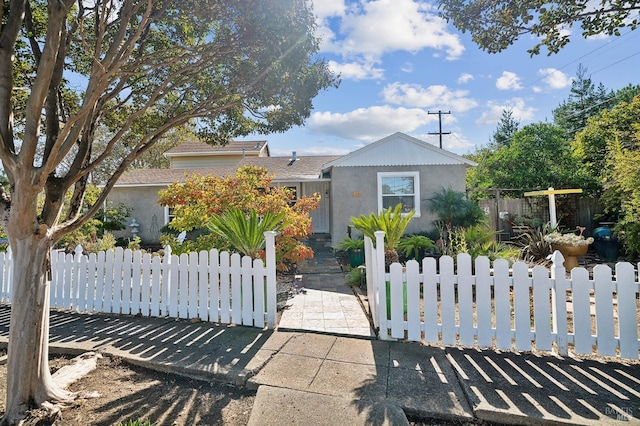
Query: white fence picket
point(414, 329)
point(502, 300)
point(430, 285)
point(100, 274)
point(604, 310)
point(174, 282)
point(247, 291)
point(203, 285)
point(483, 302)
point(236, 289)
point(225, 287)
point(542, 308)
point(259, 284)
point(193, 285)
point(465, 300)
point(214, 286)
point(396, 285)
point(136, 284)
point(183, 286)
point(145, 287)
point(627, 305)
point(447, 300)
point(515, 308)
point(156, 282)
point(521, 306)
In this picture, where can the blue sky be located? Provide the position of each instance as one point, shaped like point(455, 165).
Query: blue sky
point(398, 61)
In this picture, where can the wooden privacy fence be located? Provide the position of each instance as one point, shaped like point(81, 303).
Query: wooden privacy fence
point(513, 308)
point(210, 285)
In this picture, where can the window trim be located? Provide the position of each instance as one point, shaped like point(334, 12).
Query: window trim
point(416, 188)
point(168, 214)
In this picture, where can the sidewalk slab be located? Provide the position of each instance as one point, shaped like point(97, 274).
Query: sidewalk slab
point(275, 406)
point(530, 389)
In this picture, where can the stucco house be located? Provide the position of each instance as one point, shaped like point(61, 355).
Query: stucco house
point(396, 169)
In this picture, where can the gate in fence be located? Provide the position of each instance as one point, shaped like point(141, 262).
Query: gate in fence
point(209, 285)
point(455, 302)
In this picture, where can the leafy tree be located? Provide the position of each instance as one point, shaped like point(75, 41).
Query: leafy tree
point(585, 100)
point(507, 126)
point(538, 157)
point(591, 144)
point(144, 67)
point(608, 148)
point(495, 25)
point(197, 200)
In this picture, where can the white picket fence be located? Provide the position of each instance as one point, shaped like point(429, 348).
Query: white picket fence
point(210, 285)
point(513, 308)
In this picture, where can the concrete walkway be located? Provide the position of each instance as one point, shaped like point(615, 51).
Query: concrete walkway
point(325, 303)
point(318, 379)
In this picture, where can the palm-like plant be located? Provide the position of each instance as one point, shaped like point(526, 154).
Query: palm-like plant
point(392, 221)
point(245, 233)
point(413, 245)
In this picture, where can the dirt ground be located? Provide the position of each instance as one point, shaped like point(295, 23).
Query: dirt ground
point(131, 393)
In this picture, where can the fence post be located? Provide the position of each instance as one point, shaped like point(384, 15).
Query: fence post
point(559, 302)
point(370, 272)
point(381, 286)
point(270, 248)
point(75, 280)
point(166, 280)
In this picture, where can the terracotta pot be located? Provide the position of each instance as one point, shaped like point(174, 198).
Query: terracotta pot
point(570, 254)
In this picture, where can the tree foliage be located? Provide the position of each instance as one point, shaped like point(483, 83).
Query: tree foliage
point(609, 147)
point(585, 100)
point(128, 71)
point(507, 126)
point(495, 25)
point(539, 157)
point(197, 200)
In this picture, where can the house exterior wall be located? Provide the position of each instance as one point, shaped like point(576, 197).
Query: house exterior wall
point(354, 191)
point(146, 211)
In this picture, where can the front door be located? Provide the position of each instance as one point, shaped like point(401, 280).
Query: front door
point(320, 217)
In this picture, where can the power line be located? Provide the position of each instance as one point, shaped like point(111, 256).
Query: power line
point(439, 132)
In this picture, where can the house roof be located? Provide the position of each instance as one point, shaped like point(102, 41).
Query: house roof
point(399, 149)
point(284, 169)
point(162, 177)
point(233, 147)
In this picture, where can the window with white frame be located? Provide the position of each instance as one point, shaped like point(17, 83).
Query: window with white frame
point(399, 187)
point(168, 214)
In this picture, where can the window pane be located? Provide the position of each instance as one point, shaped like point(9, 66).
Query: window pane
point(390, 201)
point(397, 185)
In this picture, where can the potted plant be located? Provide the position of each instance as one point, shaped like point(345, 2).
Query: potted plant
point(571, 246)
point(354, 249)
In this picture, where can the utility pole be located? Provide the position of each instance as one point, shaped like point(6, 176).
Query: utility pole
point(440, 132)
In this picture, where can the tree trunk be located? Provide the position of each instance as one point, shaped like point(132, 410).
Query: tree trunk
point(29, 381)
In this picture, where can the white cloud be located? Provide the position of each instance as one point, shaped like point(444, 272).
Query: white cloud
point(555, 79)
point(328, 8)
point(465, 78)
point(373, 28)
point(508, 81)
point(436, 96)
point(493, 114)
point(369, 124)
point(407, 67)
point(357, 71)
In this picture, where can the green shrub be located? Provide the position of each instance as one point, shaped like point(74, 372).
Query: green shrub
point(392, 221)
point(413, 246)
